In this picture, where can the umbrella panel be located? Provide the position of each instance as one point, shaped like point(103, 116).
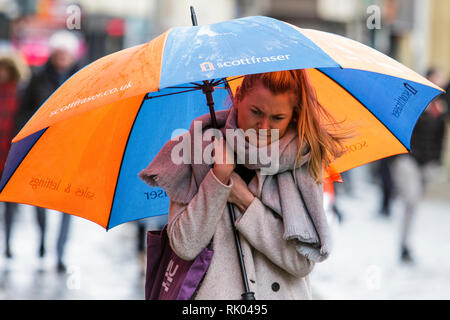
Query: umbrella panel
point(370, 138)
point(395, 102)
point(88, 165)
point(73, 166)
point(159, 119)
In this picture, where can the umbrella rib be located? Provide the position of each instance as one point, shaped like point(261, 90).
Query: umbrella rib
point(121, 163)
point(24, 156)
point(232, 79)
point(364, 107)
point(197, 87)
point(192, 87)
point(182, 87)
point(169, 94)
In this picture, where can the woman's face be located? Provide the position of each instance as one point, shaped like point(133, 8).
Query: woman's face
point(261, 109)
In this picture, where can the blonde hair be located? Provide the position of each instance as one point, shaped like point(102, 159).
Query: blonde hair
point(309, 116)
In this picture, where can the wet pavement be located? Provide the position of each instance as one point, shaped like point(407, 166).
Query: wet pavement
point(100, 264)
point(364, 263)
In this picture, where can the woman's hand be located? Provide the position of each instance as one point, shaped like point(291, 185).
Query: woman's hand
point(240, 195)
point(223, 160)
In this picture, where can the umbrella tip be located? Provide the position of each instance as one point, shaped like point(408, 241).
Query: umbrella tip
point(193, 16)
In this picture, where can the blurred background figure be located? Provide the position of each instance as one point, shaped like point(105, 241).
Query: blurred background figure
point(10, 74)
point(412, 172)
point(59, 67)
point(384, 172)
point(334, 215)
point(143, 226)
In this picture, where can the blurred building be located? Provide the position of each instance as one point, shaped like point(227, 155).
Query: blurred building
point(110, 26)
point(439, 34)
point(175, 13)
point(413, 31)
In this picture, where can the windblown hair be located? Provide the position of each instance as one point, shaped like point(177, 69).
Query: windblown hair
point(309, 116)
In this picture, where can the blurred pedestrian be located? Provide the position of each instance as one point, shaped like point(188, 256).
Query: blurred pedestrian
point(447, 100)
point(278, 256)
point(334, 214)
point(61, 65)
point(412, 172)
point(9, 81)
point(384, 168)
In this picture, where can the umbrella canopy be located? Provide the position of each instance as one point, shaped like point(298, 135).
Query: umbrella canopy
point(81, 151)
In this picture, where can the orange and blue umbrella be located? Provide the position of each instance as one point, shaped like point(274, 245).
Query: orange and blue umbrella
point(81, 151)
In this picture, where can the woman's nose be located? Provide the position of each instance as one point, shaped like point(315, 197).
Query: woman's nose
point(264, 123)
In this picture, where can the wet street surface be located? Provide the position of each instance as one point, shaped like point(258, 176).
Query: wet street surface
point(364, 263)
point(100, 264)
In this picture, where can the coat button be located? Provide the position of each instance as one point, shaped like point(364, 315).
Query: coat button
point(275, 286)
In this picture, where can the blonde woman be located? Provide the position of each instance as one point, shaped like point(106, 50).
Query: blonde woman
point(280, 216)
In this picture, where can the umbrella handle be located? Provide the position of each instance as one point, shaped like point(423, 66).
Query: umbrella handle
point(247, 295)
point(208, 89)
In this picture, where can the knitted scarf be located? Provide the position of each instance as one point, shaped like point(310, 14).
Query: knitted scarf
point(298, 201)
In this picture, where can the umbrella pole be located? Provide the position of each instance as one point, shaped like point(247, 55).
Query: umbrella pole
point(208, 88)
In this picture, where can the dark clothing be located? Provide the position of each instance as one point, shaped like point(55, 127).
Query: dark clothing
point(8, 109)
point(245, 173)
point(427, 138)
point(446, 98)
point(10, 210)
point(387, 184)
point(42, 84)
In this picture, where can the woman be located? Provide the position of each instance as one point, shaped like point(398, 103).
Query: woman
point(281, 239)
point(9, 79)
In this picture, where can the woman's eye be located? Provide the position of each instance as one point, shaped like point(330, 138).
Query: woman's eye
point(257, 112)
point(278, 118)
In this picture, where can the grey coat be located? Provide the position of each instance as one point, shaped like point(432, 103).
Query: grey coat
point(275, 269)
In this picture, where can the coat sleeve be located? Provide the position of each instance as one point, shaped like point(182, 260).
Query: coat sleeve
point(264, 231)
point(192, 226)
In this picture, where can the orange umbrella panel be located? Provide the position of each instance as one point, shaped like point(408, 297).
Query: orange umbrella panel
point(88, 165)
point(82, 150)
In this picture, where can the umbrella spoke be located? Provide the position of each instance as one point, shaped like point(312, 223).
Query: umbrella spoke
point(181, 87)
point(169, 94)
